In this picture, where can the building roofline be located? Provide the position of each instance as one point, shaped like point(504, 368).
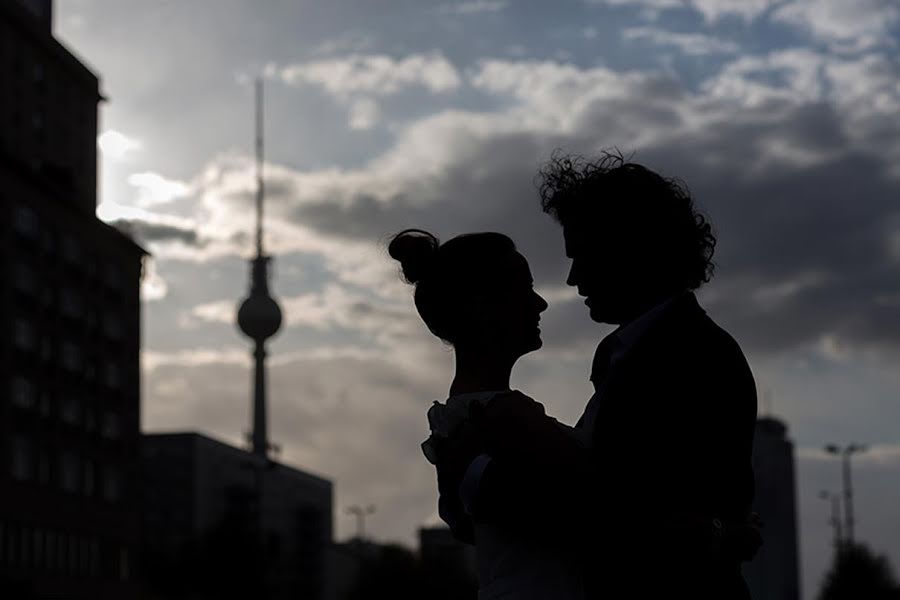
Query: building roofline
point(27, 23)
point(208, 438)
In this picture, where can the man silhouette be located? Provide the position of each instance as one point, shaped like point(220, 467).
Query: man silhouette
point(657, 503)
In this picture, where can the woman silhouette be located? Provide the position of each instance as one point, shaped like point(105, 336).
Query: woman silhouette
point(476, 293)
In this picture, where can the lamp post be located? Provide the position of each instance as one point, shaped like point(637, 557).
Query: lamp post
point(361, 513)
point(835, 520)
point(845, 453)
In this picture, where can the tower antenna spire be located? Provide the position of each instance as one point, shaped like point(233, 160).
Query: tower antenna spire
point(260, 190)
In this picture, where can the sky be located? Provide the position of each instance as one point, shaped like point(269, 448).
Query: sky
point(782, 116)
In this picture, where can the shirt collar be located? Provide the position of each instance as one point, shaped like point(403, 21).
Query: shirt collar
point(628, 334)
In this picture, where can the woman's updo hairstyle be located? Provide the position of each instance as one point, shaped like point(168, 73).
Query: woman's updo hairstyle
point(448, 275)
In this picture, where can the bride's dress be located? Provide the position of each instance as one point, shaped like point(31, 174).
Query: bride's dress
point(509, 566)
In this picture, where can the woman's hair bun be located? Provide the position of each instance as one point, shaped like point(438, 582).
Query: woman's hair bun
point(414, 249)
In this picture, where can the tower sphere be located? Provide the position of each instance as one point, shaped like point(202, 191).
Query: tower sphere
point(259, 316)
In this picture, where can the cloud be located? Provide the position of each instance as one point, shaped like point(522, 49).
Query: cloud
point(364, 113)
point(377, 74)
point(117, 146)
point(865, 23)
point(715, 10)
point(474, 7)
point(712, 10)
point(153, 286)
point(159, 231)
point(155, 189)
point(696, 44)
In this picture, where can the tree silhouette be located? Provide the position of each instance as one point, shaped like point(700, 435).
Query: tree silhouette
point(859, 574)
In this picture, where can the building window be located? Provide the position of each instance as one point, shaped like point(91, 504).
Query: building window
point(73, 555)
point(23, 279)
point(95, 558)
point(46, 297)
point(62, 552)
point(111, 376)
point(11, 543)
point(70, 303)
point(23, 392)
point(21, 458)
point(24, 335)
point(25, 221)
point(89, 478)
point(84, 556)
point(112, 326)
point(48, 242)
point(124, 565)
point(71, 250)
point(44, 404)
point(25, 546)
point(90, 421)
point(50, 551)
point(112, 484)
point(70, 410)
point(43, 467)
point(111, 427)
point(71, 357)
point(37, 547)
point(69, 472)
point(113, 276)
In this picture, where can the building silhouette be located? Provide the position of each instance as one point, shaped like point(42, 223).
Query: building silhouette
point(774, 574)
point(448, 563)
point(221, 522)
point(69, 332)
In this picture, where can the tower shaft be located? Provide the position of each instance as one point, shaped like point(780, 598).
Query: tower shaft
point(260, 439)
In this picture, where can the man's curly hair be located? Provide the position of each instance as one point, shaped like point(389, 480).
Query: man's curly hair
point(612, 196)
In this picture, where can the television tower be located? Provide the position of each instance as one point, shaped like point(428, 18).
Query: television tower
point(259, 315)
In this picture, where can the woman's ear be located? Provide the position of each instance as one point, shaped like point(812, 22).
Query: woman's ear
point(475, 317)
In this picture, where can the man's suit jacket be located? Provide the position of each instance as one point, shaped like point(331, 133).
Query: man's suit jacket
point(670, 447)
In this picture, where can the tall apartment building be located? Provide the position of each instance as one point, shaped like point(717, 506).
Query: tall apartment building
point(69, 332)
point(774, 574)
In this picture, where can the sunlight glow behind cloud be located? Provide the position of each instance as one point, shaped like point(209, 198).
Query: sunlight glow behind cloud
point(117, 146)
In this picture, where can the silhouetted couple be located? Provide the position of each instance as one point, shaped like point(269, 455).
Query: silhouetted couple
point(648, 495)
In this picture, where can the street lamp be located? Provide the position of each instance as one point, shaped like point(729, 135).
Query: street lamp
point(835, 521)
point(361, 514)
point(845, 453)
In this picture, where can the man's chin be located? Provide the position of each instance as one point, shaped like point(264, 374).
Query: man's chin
point(535, 344)
point(599, 315)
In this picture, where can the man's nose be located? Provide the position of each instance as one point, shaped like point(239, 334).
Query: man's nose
point(571, 280)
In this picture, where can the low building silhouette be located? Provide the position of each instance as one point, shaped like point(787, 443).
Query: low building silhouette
point(221, 522)
point(446, 557)
point(774, 574)
point(70, 325)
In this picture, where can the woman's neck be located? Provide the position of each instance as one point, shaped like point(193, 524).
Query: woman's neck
point(477, 371)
